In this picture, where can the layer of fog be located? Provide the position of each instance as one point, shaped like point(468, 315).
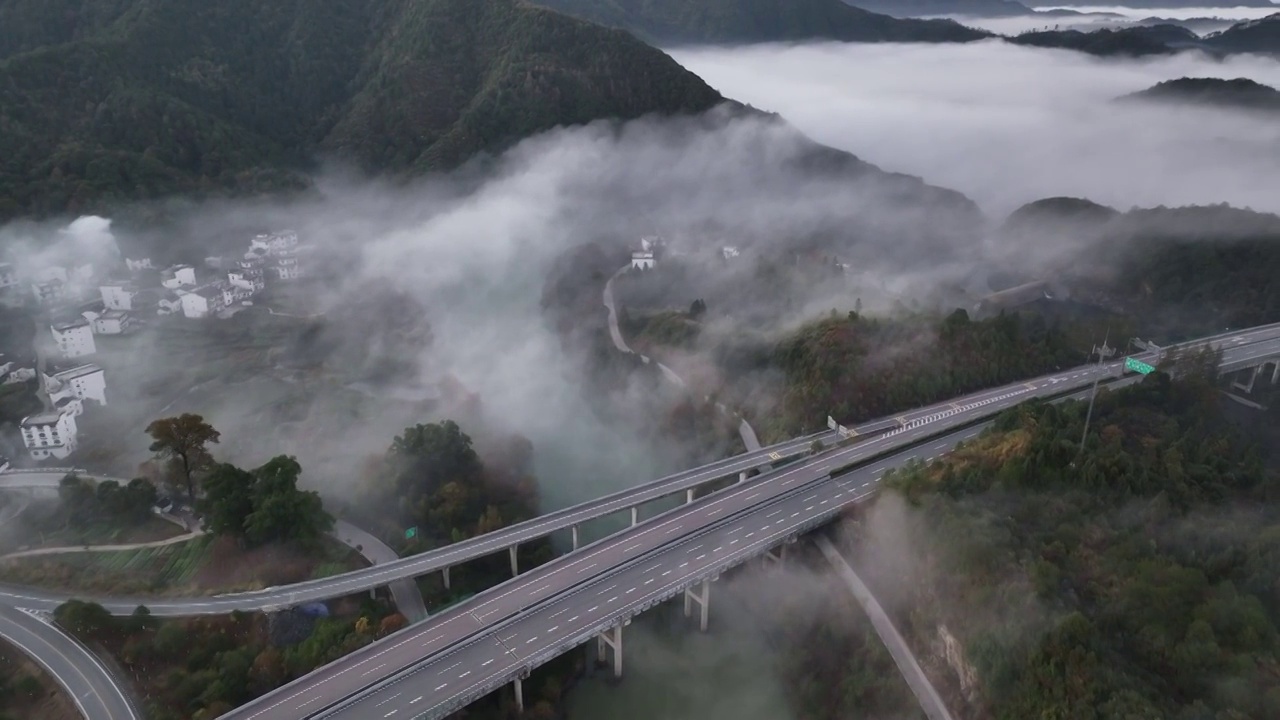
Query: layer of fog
point(457, 264)
point(1007, 124)
point(1112, 16)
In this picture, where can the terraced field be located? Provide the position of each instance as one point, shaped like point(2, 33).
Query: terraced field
point(166, 569)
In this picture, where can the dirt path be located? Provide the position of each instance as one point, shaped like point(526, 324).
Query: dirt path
point(103, 548)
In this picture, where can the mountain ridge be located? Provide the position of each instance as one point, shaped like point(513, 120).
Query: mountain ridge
point(681, 22)
point(180, 96)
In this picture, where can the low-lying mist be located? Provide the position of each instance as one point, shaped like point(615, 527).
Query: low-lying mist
point(443, 279)
point(1006, 124)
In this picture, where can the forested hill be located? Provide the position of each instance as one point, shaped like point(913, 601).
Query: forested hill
point(1240, 93)
point(110, 100)
point(675, 22)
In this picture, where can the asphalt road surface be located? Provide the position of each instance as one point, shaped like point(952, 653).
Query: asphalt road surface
point(81, 674)
point(448, 681)
point(348, 676)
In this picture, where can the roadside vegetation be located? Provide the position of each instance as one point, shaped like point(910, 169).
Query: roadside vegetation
point(200, 668)
point(262, 529)
point(27, 691)
point(1134, 580)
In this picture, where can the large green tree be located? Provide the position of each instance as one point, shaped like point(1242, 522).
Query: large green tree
point(228, 499)
point(186, 439)
point(280, 510)
point(263, 505)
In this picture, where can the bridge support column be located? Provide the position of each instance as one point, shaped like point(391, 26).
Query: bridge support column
point(445, 572)
point(575, 537)
point(742, 476)
point(611, 638)
point(515, 567)
point(1275, 373)
point(688, 496)
point(778, 555)
point(519, 688)
point(1247, 387)
point(635, 514)
point(703, 598)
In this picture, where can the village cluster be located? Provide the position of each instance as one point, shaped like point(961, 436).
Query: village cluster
point(77, 315)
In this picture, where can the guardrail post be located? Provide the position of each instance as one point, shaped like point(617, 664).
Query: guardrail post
point(515, 567)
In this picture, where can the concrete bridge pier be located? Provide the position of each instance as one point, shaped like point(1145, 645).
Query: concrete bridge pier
point(518, 686)
point(611, 638)
point(1242, 385)
point(575, 536)
point(742, 476)
point(635, 515)
point(688, 496)
point(776, 555)
point(445, 573)
point(703, 598)
point(515, 567)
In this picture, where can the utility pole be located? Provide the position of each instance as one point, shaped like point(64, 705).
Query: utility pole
point(1103, 353)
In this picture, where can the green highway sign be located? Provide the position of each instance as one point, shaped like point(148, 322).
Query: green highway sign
point(411, 533)
point(1138, 366)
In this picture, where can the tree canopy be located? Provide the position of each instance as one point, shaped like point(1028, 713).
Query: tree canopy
point(263, 505)
point(186, 439)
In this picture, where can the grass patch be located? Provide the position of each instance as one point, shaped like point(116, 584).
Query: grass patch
point(199, 566)
point(107, 533)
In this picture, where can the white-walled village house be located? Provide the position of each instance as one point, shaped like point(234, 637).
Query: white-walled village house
point(178, 276)
point(113, 322)
point(118, 295)
point(642, 260)
point(74, 338)
point(50, 434)
point(204, 301)
point(85, 382)
point(277, 243)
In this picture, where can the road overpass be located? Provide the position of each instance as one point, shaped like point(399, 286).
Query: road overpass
point(411, 651)
point(1256, 343)
point(1242, 349)
point(432, 649)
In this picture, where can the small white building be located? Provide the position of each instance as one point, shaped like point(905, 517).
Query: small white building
point(169, 302)
point(136, 265)
point(642, 260)
point(287, 268)
point(730, 252)
point(50, 434)
point(249, 279)
point(118, 295)
point(49, 292)
point(178, 276)
point(74, 338)
point(113, 322)
point(277, 243)
point(85, 382)
point(19, 375)
point(205, 301)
